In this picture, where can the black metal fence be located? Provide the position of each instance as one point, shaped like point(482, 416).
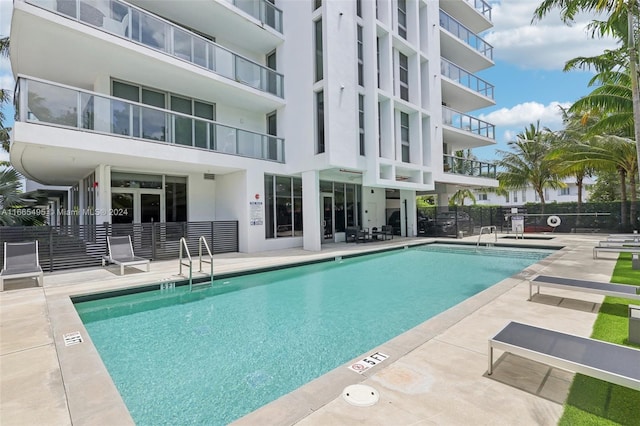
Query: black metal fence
point(588, 218)
point(77, 246)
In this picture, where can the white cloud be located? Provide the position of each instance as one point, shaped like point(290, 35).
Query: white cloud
point(521, 115)
point(546, 44)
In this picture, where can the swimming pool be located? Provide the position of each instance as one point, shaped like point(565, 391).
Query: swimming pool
point(213, 355)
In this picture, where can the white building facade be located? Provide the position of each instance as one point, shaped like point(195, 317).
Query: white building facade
point(519, 197)
point(295, 118)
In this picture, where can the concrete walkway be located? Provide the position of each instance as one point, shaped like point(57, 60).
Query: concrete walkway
point(435, 373)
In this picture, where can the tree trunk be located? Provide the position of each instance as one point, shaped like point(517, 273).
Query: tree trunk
point(633, 216)
point(623, 196)
point(579, 207)
point(541, 196)
point(633, 70)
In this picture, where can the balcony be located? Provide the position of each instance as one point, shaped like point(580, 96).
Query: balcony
point(138, 26)
point(467, 167)
point(473, 43)
point(455, 84)
point(474, 14)
point(464, 131)
point(263, 11)
point(41, 102)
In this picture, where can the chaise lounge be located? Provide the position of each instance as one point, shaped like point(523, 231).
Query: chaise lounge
point(121, 253)
point(602, 360)
point(597, 287)
point(615, 249)
point(21, 260)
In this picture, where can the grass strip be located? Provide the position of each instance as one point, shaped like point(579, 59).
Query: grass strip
point(596, 402)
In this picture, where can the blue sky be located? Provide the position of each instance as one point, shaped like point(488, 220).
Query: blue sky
point(528, 78)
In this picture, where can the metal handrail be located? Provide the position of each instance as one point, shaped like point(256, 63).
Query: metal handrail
point(202, 241)
point(183, 246)
point(491, 229)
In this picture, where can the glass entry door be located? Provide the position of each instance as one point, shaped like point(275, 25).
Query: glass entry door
point(327, 217)
point(137, 205)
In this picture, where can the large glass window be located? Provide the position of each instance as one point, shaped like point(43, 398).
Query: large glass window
point(283, 209)
point(360, 56)
point(404, 136)
point(320, 121)
point(175, 196)
point(402, 18)
point(404, 76)
point(361, 122)
point(319, 57)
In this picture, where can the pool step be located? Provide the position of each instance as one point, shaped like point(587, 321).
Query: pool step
point(481, 251)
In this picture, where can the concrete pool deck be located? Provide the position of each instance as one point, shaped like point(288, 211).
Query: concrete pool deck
point(435, 373)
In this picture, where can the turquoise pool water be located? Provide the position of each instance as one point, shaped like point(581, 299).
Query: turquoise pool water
point(212, 356)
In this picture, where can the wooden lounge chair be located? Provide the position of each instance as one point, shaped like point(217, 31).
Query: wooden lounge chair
point(605, 361)
point(21, 261)
point(597, 287)
point(121, 253)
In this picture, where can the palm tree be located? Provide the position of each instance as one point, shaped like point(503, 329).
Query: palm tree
point(527, 162)
point(4, 98)
point(622, 23)
point(460, 196)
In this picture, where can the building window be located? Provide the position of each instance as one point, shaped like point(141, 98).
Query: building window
point(283, 206)
point(361, 122)
point(272, 130)
point(317, 4)
point(379, 130)
point(359, 8)
point(404, 136)
point(378, 59)
point(319, 58)
point(564, 191)
point(402, 18)
point(535, 196)
point(404, 76)
point(506, 197)
point(515, 196)
point(360, 57)
point(272, 78)
point(524, 195)
point(482, 197)
point(320, 122)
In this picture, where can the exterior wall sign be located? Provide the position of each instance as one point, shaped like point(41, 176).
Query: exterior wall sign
point(256, 213)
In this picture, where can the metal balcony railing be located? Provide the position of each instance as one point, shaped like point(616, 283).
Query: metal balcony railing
point(43, 102)
point(465, 78)
point(453, 118)
point(139, 26)
point(262, 10)
point(465, 34)
point(481, 6)
point(467, 167)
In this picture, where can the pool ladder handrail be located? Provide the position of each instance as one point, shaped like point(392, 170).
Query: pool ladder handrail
point(491, 229)
point(519, 230)
point(202, 242)
point(185, 249)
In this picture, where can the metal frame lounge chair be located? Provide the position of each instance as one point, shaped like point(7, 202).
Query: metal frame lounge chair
point(616, 249)
point(597, 287)
point(21, 260)
point(602, 360)
point(121, 253)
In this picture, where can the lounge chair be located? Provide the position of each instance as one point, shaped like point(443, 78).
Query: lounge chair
point(618, 243)
point(388, 231)
point(607, 289)
point(615, 249)
point(121, 253)
point(21, 261)
point(602, 360)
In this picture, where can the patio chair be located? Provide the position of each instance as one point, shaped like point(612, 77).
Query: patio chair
point(121, 253)
point(605, 361)
point(387, 230)
point(606, 289)
point(21, 261)
point(615, 249)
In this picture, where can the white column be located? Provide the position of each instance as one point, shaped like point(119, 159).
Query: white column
point(311, 217)
point(410, 205)
point(103, 194)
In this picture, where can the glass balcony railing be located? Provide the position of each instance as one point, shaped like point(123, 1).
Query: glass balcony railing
point(467, 167)
point(465, 78)
point(43, 102)
point(466, 35)
point(136, 25)
point(262, 10)
point(453, 118)
point(482, 7)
